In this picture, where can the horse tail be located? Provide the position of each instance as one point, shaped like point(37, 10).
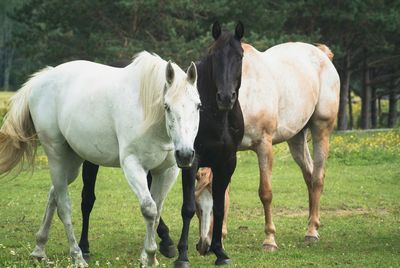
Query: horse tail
point(328, 52)
point(18, 137)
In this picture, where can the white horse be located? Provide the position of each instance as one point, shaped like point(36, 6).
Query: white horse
point(135, 117)
point(285, 90)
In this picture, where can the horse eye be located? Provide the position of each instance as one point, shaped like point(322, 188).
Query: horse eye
point(166, 107)
point(199, 106)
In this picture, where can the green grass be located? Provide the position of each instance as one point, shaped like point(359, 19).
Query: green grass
point(360, 213)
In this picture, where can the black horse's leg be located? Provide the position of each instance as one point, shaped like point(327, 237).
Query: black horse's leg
point(89, 175)
point(187, 212)
point(167, 247)
point(222, 177)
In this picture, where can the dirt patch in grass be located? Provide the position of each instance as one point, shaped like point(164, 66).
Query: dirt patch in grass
point(332, 212)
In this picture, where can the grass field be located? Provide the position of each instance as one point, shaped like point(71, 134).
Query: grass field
point(360, 213)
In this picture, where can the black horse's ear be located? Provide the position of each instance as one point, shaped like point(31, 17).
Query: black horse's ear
point(169, 73)
point(216, 30)
point(239, 30)
point(192, 73)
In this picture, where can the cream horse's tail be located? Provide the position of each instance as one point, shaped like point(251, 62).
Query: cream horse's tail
point(18, 138)
point(326, 50)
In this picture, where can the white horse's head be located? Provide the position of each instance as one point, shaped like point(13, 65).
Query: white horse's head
point(182, 111)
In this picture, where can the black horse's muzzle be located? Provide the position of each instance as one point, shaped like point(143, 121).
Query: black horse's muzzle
point(184, 158)
point(225, 101)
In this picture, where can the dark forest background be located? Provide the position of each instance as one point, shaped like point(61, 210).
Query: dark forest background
point(364, 35)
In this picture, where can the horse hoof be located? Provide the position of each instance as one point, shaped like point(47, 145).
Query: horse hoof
point(38, 258)
point(86, 256)
point(270, 248)
point(311, 239)
point(168, 251)
point(223, 261)
point(181, 264)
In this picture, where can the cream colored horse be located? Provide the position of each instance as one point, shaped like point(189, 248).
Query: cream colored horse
point(286, 90)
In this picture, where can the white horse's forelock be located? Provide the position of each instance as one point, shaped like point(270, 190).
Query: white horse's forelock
point(152, 83)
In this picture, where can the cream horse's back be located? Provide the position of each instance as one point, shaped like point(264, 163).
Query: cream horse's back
point(286, 90)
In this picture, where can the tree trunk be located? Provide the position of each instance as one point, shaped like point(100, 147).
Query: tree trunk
point(351, 124)
point(344, 92)
point(392, 118)
point(374, 111)
point(366, 97)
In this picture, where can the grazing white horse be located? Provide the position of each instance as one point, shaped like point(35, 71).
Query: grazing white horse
point(286, 90)
point(135, 117)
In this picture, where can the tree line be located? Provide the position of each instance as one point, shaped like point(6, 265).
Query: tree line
point(364, 36)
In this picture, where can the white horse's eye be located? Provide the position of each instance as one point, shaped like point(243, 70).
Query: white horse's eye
point(166, 107)
point(199, 106)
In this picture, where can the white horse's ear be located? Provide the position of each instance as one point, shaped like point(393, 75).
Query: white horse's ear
point(192, 73)
point(169, 73)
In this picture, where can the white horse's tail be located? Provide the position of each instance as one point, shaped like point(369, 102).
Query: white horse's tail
point(326, 50)
point(18, 138)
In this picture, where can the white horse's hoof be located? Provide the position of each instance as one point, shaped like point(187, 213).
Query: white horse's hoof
point(38, 254)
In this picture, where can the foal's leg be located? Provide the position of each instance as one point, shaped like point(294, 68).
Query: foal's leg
point(188, 210)
point(161, 185)
point(136, 177)
point(222, 177)
point(167, 247)
point(89, 176)
point(264, 155)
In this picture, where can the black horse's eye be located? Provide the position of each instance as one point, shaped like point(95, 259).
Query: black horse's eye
point(166, 107)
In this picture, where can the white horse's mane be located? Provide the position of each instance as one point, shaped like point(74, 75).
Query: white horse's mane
point(152, 82)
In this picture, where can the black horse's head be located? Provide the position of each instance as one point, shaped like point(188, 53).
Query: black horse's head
point(226, 58)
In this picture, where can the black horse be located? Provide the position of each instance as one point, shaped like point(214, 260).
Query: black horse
point(220, 133)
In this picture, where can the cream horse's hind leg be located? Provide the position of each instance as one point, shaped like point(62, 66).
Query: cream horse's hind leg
point(64, 167)
point(301, 154)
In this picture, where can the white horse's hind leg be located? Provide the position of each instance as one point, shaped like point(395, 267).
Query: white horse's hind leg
point(43, 234)
point(136, 177)
point(64, 167)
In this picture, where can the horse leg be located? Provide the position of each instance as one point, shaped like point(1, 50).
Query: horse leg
point(167, 247)
point(161, 185)
point(226, 210)
point(187, 212)
point(301, 154)
point(320, 131)
point(89, 176)
point(136, 177)
point(64, 167)
point(43, 234)
point(222, 177)
point(264, 155)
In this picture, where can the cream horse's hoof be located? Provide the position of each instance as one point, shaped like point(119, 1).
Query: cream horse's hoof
point(270, 247)
point(311, 239)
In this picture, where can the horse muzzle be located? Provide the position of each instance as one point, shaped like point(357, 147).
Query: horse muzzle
point(184, 158)
point(225, 101)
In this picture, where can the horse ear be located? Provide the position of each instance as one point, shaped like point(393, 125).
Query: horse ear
point(169, 73)
point(192, 73)
point(239, 30)
point(216, 30)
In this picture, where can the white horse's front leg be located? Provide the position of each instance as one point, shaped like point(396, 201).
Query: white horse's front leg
point(136, 177)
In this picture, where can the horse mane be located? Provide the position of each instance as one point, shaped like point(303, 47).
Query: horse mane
point(152, 84)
